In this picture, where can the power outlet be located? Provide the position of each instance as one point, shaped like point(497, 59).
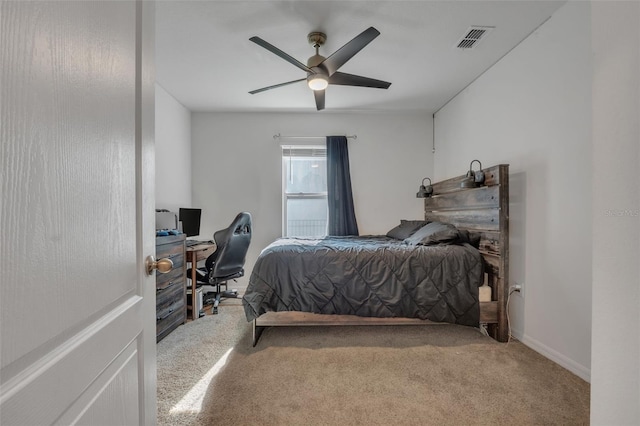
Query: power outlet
point(519, 289)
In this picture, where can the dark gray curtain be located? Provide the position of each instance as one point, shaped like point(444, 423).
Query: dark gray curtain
point(342, 217)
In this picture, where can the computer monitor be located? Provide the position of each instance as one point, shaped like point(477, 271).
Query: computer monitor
point(190, 219)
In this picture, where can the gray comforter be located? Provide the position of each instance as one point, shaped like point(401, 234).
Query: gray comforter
point(373, 276)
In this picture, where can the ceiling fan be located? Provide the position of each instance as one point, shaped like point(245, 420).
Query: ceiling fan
point(323, 71)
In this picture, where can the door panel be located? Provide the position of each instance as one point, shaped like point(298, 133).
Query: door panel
point(72, 219)
point(60, 377)
point(76, 309)
point(117, 385)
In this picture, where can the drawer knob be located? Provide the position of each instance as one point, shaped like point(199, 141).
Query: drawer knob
point(162, 265)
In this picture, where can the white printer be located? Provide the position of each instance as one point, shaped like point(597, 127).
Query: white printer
point(166, 219)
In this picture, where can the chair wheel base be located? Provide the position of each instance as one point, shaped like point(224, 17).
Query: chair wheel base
point(215, 297)
point(229, 294)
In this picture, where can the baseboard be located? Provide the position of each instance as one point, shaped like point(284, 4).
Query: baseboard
point(577, 369)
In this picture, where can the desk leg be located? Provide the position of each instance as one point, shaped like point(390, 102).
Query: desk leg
point(195, 313)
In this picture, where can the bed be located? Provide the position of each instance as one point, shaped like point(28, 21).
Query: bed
point(432, 276)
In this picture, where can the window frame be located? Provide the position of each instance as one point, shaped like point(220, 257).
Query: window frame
point(298, 195)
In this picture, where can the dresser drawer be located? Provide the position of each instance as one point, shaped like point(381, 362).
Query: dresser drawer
point(167, 311)
point(173, 277)
point(169, 323)
point(170, 247)
point(171, 307)
point(169, 295)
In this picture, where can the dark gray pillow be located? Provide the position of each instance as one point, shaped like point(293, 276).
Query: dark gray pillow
point(406, 229)
point(414, 222)
point(469, 237)
point(434, 233)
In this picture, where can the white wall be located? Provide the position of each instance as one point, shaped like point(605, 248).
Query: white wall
point(237, 167)
point(532, 110)
point(173, 152)
point(615, 394)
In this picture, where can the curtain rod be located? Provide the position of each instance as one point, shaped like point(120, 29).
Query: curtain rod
point(279, 136)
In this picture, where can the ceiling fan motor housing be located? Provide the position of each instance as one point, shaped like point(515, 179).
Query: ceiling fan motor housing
point(314, 61)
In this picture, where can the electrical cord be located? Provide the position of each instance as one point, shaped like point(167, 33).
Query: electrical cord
point(512, 289)
point(484, 331)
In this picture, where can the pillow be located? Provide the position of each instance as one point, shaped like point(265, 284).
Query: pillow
point(434, 233)
point(414, 222)
point(469, 237)
point(406, 229)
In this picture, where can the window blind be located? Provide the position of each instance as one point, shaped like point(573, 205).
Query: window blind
point(304, 151)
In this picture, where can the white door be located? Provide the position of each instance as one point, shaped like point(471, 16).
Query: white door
point(76, 308)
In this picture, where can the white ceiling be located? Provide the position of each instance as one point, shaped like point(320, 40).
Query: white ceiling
point(205, 59)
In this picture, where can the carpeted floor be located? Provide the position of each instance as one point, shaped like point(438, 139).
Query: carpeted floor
point(208, 373)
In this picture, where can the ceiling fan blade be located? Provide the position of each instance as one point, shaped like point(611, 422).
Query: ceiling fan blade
point(346, 52)
point(344, 79)
point(275, 86)
point(271, 48)
point(319, 95)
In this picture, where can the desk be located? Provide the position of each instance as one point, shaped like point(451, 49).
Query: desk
point(193, 255)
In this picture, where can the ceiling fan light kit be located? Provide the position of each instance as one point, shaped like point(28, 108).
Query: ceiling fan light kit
point(321, 71)
point(317, 81)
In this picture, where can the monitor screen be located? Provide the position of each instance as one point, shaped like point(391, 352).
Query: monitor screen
point(190, 219)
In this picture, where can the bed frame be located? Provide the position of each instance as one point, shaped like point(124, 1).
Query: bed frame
point(483, 210)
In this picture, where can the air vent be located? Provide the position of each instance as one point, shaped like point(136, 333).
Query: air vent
point(472, 37)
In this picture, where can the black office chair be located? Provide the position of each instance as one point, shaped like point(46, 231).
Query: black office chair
point(227, 262)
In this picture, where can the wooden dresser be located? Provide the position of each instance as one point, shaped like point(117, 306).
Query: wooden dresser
point(171, 294)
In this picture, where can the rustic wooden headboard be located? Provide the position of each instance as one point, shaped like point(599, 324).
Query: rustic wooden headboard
point(485, 211)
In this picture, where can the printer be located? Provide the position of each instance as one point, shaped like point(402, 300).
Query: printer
point(166, 220)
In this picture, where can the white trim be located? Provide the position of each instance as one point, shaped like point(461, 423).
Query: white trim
point(579, 370)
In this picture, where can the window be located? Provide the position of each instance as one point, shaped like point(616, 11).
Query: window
point(304, 188)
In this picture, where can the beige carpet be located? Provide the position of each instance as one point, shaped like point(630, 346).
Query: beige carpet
point(411, 375)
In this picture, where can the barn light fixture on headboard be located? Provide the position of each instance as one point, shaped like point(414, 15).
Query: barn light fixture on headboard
point(473, 178)
point(425, 191)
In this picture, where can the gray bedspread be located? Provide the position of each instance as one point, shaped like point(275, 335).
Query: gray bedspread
point(372, 276)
